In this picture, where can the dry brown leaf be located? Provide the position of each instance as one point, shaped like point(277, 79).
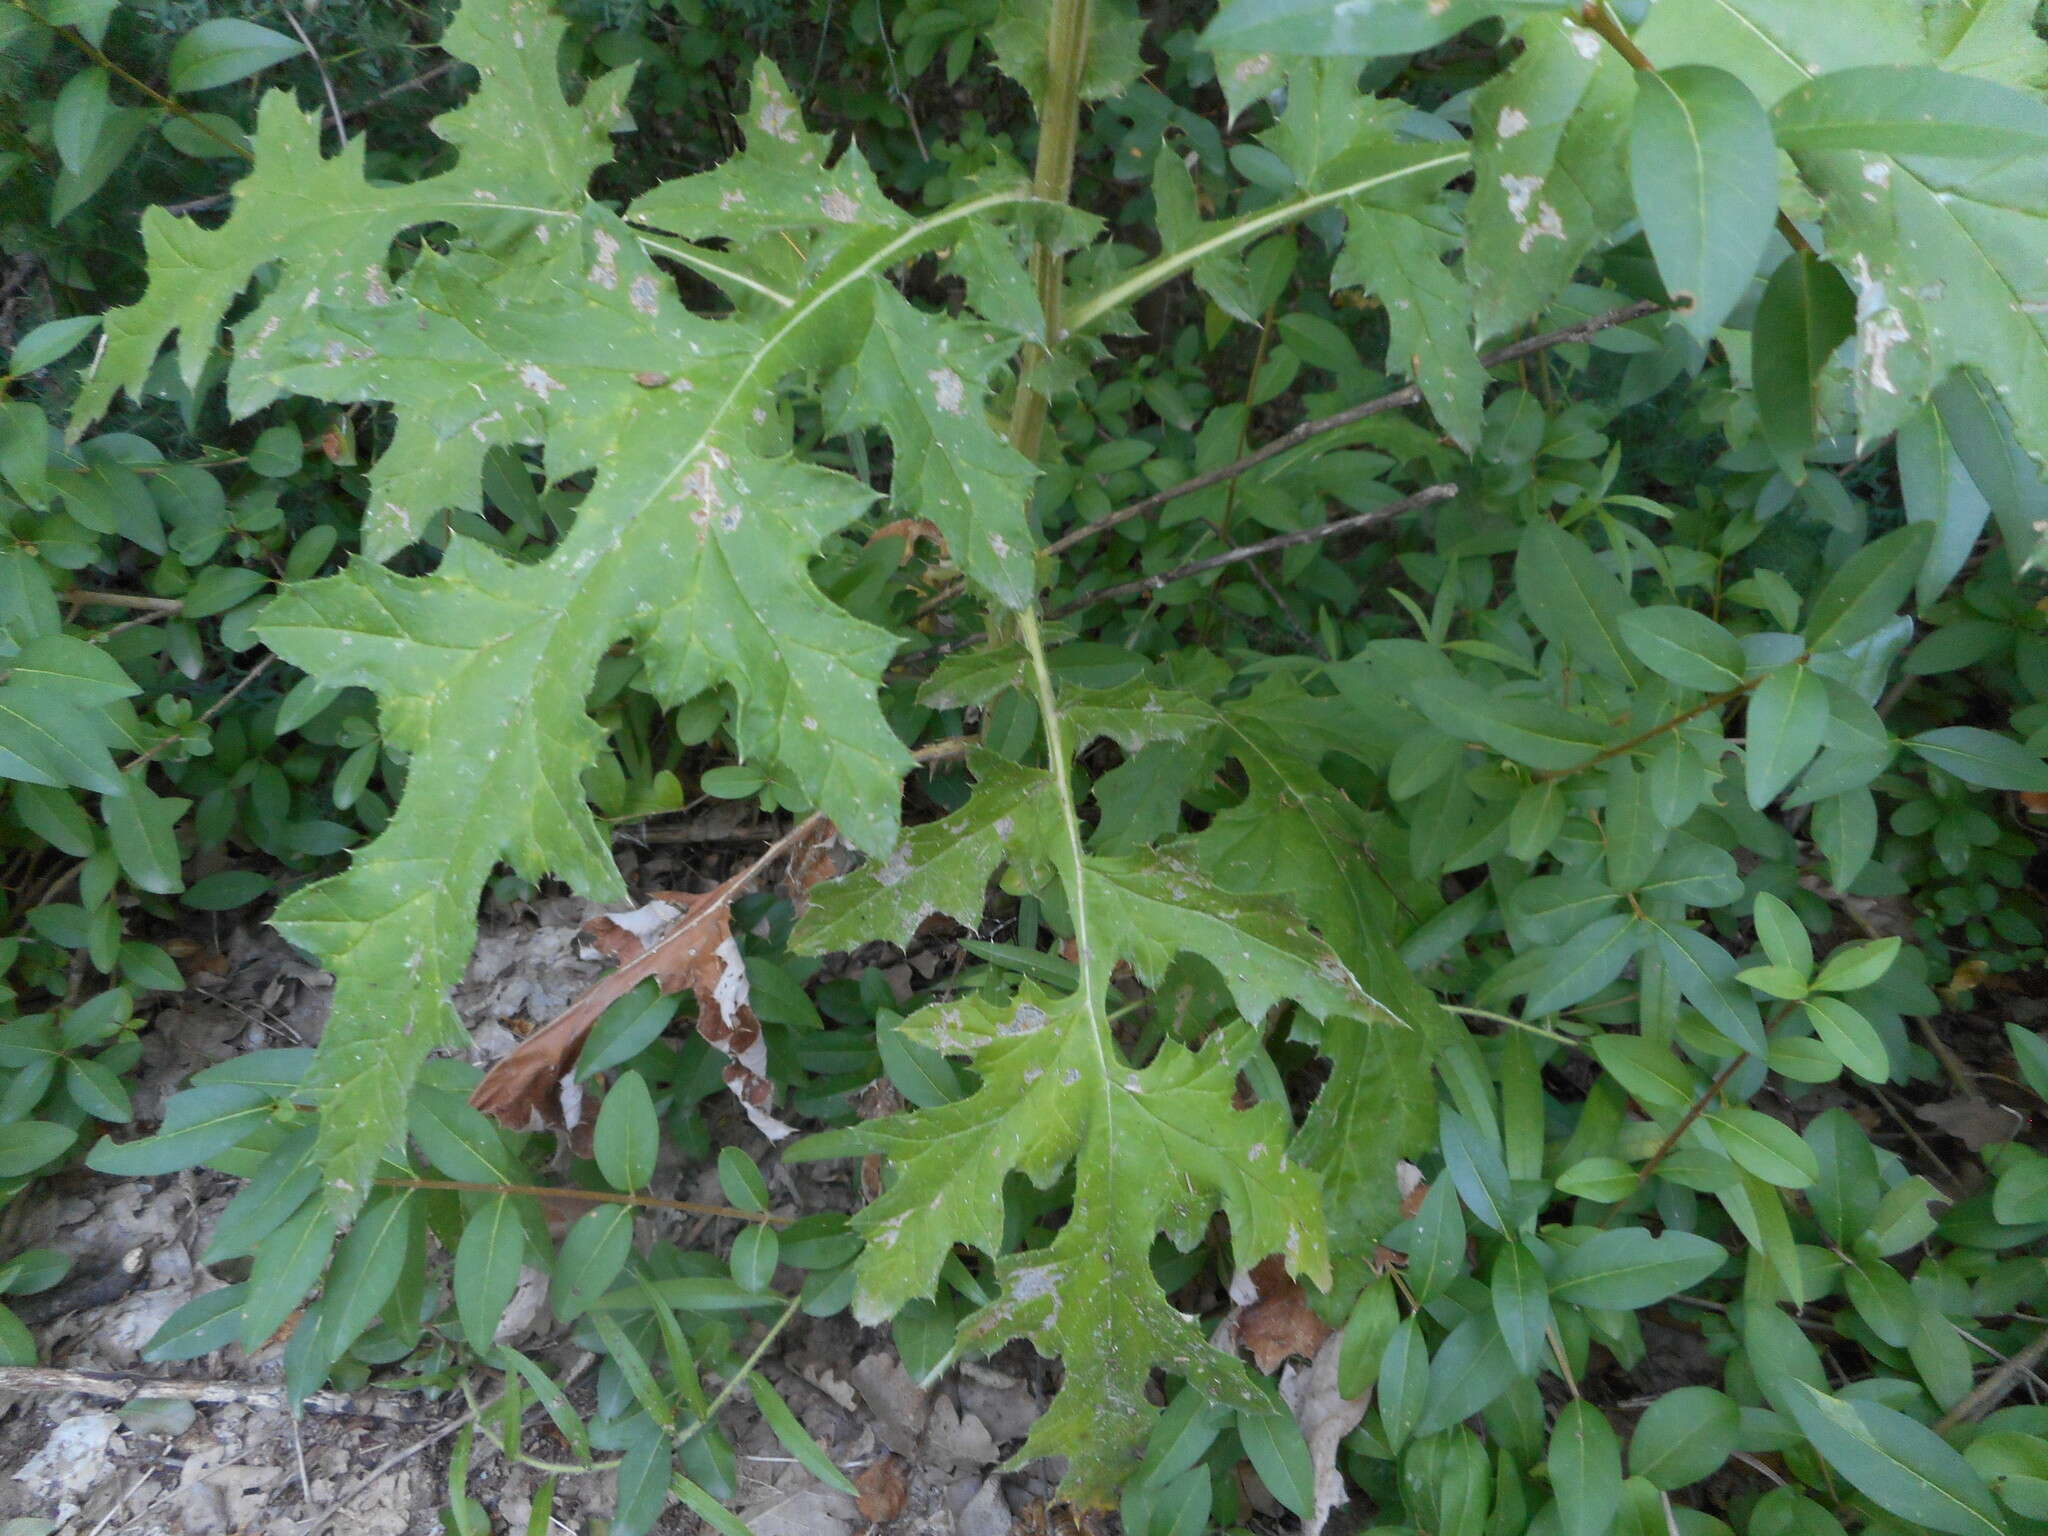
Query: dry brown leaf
point(683, 942)
point(1976, 1123)
point(1325, 1417)
point(1280, 1323)
point(884, 1490)
point(1413, 1187)
point(910, 530)
point(821, 854)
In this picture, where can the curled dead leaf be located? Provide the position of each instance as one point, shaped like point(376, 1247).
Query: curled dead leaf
point(1280, 1323)
point(682, 941)
point(884, 1490)
point(1977, 1123)
point(910, 530)
point(820, 854)
point(1325, 1417)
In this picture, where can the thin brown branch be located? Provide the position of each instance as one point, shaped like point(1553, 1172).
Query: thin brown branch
point(1363, 520)
point(77, 40)
point(1697, 1108)
point(1427, 496)
point(219, 704)
point(137, 600)
point(425, 77)
point(1712, 702)
point(1405, 396)
point(127, 1387)
point(326, 84)
point(1991, 1391)
point(599, 1196)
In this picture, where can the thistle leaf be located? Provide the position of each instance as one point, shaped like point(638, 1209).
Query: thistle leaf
point(546, 321)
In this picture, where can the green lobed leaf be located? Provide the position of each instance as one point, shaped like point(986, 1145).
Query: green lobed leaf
point(1396, 253)
point(941, 867)
point(544, 319)
point(1549, 168)
point(1048, 1096)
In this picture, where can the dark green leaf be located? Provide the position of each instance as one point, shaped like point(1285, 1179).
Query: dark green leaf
point(1867, 590)
point(1983, 758)
point(224, 50)
point(1630, 1268)
point(1906, 109)
point(1903, 1466)
point(1705, 174)
point(1585, 1469)
point(1687, 647)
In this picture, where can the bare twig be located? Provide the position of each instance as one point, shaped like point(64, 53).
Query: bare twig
point(320, 67)
point(1991, 1391)
point(1405, 396)
point(606, 1196)
point(219, 704)
point(126, 1387)
point(137, 600)
point(1427, 496)
point(399, 1458)
point(119, 1504)
point(197, 204)
point(425, 77)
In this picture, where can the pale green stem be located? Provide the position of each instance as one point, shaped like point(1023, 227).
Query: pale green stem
point(1237, 232)
point(1066, 51)
point(1522, 1024)
point(732, 1384)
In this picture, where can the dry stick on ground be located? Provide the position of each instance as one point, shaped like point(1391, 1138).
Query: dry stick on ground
point(399, 1458)
point(126, 1387)
point(1405, 396)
